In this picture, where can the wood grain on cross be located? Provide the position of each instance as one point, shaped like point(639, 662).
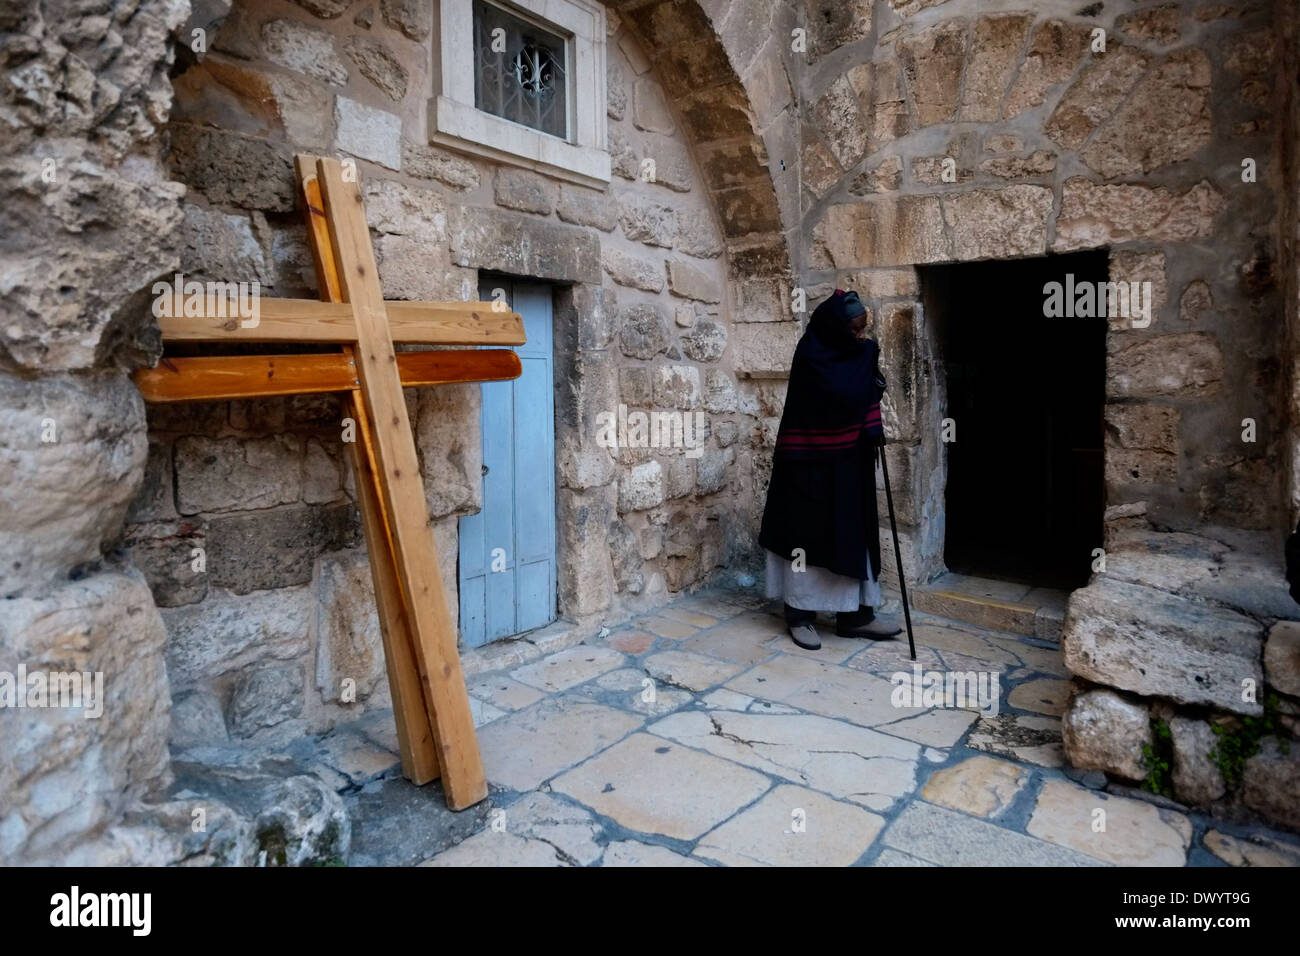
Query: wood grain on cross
point(431, 708)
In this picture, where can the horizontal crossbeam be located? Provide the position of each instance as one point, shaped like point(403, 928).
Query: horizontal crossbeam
point(227, 377)
point(308, 320)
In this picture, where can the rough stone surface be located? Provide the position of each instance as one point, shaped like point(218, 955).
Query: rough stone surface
point(1104, 731)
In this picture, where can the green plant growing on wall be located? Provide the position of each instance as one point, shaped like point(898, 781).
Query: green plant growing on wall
point(1157, 756)
point(1240, 741)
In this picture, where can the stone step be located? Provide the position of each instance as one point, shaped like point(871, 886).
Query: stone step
point(1000, 605)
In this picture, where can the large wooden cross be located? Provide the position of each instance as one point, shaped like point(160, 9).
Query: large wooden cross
point(431, 708)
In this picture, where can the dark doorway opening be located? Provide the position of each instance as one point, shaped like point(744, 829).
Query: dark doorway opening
point(1024, 496)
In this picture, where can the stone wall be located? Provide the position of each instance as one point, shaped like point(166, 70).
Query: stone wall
point(88, 221)
point(668, 296)
point(1055, 147)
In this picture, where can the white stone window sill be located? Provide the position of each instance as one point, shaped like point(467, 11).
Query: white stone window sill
point(462, 127)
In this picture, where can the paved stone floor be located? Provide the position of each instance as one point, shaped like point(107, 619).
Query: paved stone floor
point(702, 735)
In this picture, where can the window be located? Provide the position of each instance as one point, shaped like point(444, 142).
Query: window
point(520, 70)
point(523, 82)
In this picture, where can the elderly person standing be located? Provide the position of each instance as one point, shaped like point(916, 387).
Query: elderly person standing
point(820, 526)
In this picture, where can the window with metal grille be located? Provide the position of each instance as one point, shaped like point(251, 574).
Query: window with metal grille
point(520, 70)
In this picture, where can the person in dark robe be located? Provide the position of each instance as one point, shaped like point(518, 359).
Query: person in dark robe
point(820, 527)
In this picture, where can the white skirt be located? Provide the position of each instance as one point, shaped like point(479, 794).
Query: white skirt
point(817, 589)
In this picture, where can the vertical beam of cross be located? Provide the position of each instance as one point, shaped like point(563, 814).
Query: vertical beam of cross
point(434, 637)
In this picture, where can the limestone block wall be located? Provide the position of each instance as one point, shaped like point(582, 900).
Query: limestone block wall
point(668, 296)
point(1057, 148)
point(88, 220)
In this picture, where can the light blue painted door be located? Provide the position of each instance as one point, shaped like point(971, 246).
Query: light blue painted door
point(507, 550)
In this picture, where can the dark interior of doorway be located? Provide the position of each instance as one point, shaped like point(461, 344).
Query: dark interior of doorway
point(1024, 496)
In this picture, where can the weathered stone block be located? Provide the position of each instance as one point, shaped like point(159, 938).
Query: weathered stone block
point(413, 18)
point(303, 49)
point(1197, 779)
point(524, 190)
point(233, 170)
point(430, 162)
point(1055, 49)
point(226, 632)
point(586, 574)
point(838, 116)
point(72, 452)
point(379, 65)
point(932, 61)
point(1282, 657)
point(764, 347)
point(266, 695)
point(587, 207)
point(368, 133)
point(641, 487)
point(705, 342)
point(1270, 782)
point(451, 450)
point(677, 386)
point(503, 242)
point(275, 548)
point(994, 50)
point(398, 209)
point(164, 552)
point(720, 394)
point(220, 474)
point(643, 331)
point(349, 645)
point(1094, 214)
point(633, 271)
point(1159, 644)
point(1102, 730)
point(644, 220)
point(1186, 364)
point(712, 470)
point(689, 282)
point(999, 223)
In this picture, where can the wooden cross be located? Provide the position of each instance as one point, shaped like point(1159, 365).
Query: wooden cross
point(431, 708)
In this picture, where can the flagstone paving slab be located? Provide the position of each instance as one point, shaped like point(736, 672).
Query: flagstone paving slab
point(1024, 737)
point(669, 628)
point(482, 712)
point(504, 693)
point(980, 786)
point(687, 616)
point(631, 642)
point(1043, 696)
point(635, 853)
point(934, 728)
point(1258, 851)
point(741, 639)
point(524, 749)
point(651, 785)
point(1131, 832)
point(689, 670)
point(890, 857)
point(844, 760)
point(1043, 660)
point(539, 829)
point(949, 838)
point(885, 658)
point(569, 667)
point(969, 643)
point(834, 649)
point(793, 826)
point(824, 689)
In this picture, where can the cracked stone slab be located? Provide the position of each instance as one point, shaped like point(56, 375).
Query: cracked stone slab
point(969, 644)
point(483, 713)
point(568, 668)
point(941, 727)
point(523, 749)
point(1043, 660)
point(948, 838)
point(1022, 737)
point(651, 785)
point(636, 853)
point(1042, 696)
point(696, 672)
point(537, 830)
point(844, 760)
point(980, 786)
point(713, 607)
point(793, 826)
point(1135, 833)
point(687, 616)
point(668, 627)
point(355, 757)
point(826, 689)
point(504, 693)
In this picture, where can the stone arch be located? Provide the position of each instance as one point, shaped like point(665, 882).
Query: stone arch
point(697, 70)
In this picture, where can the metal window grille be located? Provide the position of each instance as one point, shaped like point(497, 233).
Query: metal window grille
point(520, 70)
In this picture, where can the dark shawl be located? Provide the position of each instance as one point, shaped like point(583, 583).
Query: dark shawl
point(822, 496)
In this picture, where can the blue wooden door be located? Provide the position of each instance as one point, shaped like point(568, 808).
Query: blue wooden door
point(507, 550)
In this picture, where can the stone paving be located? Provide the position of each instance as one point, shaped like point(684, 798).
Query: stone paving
point(701, 735)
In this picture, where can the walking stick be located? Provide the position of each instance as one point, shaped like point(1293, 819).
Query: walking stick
point(898, 554)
